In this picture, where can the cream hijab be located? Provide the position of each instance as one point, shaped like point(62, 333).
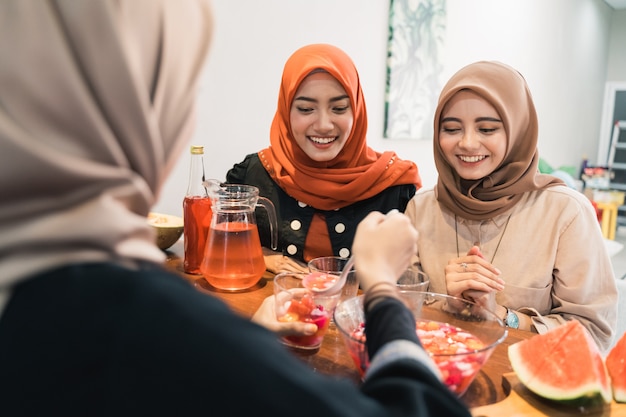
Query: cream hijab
point(96, 105)
point(506, 90)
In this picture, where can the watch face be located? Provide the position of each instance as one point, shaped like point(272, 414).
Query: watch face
point(512, 320)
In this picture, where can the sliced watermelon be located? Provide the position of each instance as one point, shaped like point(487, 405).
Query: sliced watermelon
point(616, 365)
point(563, 365)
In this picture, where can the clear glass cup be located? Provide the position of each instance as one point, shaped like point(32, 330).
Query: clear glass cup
point(334, 265)
point(294, 302)
point(413, 279)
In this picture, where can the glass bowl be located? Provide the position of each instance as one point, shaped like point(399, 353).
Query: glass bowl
point(459, 335)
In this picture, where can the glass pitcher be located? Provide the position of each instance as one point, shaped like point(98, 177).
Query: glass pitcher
point(233, 258)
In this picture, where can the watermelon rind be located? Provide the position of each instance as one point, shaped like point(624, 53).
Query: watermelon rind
point(563, 365)
point(619, 394)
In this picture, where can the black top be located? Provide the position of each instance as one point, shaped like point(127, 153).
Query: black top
point(103, 340)
point(294, 217)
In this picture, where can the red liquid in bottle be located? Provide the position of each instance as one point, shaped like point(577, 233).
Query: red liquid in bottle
point(197, 217)
point(234, 258)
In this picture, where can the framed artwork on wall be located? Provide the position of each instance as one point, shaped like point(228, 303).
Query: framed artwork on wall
point(416, 36)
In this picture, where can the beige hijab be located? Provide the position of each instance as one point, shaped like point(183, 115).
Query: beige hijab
point(506, 90)
point(96, 105)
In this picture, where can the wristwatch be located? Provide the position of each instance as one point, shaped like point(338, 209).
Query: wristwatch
point(511, 320)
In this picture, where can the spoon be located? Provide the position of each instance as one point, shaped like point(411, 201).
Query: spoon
point(311, 281)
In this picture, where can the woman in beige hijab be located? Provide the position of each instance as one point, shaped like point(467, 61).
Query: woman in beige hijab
point(96, 103)
point(494, 229)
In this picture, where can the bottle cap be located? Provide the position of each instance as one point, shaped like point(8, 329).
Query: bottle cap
point(197, 150)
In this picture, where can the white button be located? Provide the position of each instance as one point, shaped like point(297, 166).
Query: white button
point(296, 225)
point(344, 252)
point(292, 249)
point(301, 204)
point(340, 228)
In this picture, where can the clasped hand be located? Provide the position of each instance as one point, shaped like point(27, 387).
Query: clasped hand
point(474, 278)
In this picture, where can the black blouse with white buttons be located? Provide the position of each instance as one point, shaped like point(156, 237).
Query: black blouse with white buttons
point(294, 217)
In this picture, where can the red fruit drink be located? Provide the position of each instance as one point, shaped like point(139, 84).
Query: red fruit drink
point(197, 217)
point(457, 353)
point(305, 310)
point(233, 258)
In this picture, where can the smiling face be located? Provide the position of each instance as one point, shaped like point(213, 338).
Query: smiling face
point(321, 117)
point(472, 135)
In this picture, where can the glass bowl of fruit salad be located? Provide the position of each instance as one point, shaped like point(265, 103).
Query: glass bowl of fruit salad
point(459, 335)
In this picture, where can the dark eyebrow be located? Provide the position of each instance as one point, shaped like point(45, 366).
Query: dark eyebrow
point(303, 98)
point(339, 98)
point(488, 119)
point(480, 119)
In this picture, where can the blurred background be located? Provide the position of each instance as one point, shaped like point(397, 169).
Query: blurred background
point(569, 51)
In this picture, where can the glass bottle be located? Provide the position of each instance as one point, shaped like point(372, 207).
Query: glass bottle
point(583, 166)
point(196, 213)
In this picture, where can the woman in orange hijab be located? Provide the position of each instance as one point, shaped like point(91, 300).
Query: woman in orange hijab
point(318, 170)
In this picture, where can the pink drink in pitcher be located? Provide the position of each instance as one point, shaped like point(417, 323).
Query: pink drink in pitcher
point(233, 256)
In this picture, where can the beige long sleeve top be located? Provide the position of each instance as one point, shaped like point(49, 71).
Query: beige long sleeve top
point(551, 255)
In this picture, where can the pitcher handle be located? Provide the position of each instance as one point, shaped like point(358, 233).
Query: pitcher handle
point(271, 214)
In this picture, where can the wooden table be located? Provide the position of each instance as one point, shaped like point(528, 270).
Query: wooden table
point(333, 359)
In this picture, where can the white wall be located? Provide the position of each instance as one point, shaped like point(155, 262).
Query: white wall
point(561, 47)
point(617, 57)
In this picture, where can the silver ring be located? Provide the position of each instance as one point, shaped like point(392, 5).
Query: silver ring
point(464, 266)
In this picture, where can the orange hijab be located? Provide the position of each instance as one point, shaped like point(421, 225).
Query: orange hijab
point(357, 172)
point(506, 90)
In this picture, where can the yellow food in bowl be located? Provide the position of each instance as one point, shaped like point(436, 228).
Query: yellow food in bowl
point(169, 228)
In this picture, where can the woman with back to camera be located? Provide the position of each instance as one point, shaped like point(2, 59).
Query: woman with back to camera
point(318, 170)
point(97, 104)
point(497, 231)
